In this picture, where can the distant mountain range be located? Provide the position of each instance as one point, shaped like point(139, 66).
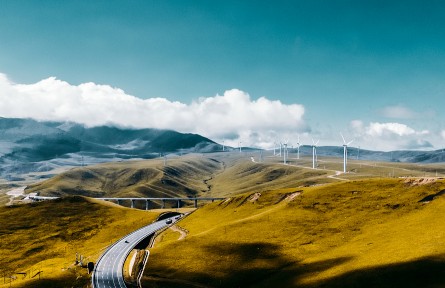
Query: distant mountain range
point(390, 156)
point(28, 146)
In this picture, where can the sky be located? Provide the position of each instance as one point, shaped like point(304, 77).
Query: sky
point(255, 72)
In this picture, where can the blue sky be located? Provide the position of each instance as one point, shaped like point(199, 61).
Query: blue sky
point(370, 69)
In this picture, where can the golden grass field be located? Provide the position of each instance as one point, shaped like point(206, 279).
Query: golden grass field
point(148, 178)
point(45, 237)
point(308, 228)
point(366, 233)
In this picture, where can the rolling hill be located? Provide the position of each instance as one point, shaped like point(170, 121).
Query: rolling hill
point(46, 237)
point(182, 177)
point(278, 225)
point(365, 233)
point(214, 175)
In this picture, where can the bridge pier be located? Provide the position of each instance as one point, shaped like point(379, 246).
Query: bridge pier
point(154, 201)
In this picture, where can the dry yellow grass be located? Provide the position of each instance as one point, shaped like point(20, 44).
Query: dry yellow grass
point(370, 233)
point(181, 177)
point(46, 236)
point(346, 232)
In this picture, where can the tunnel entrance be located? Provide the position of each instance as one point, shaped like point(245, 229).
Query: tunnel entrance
point(166, 215)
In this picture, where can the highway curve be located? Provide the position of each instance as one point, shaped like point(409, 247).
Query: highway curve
point(108, 272)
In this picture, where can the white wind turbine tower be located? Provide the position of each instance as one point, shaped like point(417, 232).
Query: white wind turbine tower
point(298, 147)
point(314, 152)
point(345, 152)
point(285, 152)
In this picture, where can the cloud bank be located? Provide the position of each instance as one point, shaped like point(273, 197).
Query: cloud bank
point(390, 136)
point(232, 117)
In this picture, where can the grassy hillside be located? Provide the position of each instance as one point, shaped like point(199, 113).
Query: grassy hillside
point(180, 177)
point(240, 176)
point(278, 228)
point(217, 175)
point(46, 236)
point(367, 233)
point(248, 172)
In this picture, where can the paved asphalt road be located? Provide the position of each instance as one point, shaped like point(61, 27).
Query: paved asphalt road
point(108, 272)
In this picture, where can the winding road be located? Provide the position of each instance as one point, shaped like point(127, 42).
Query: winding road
point(108, 272)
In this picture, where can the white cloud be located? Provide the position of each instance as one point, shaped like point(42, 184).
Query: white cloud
point(233, 116)
point(398, 112)
point(390, 136)
point(389, 129)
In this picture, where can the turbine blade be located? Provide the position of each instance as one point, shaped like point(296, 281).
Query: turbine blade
point(349, 142)
point(344, 142)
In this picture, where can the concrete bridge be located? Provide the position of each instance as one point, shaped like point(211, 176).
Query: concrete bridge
point(162, 200)
point(133, 200)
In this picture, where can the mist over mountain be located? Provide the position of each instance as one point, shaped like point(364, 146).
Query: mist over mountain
point(27, 145)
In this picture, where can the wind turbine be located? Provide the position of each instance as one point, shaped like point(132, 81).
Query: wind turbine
point(239, 144)
point(345, 152)
point(285, 152)
point(314, 152)
point(298, 147)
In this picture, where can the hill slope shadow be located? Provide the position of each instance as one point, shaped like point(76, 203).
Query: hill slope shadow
point(262, 264)
point(257, 264)
point(424, 272)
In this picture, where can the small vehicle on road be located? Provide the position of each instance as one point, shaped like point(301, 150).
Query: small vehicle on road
point(126, 241)
point(169, 221)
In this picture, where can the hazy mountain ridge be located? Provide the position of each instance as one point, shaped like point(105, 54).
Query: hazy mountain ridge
point(49, 144)
point(410, 156)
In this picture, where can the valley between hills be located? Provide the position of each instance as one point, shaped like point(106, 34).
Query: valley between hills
point(279, 226)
